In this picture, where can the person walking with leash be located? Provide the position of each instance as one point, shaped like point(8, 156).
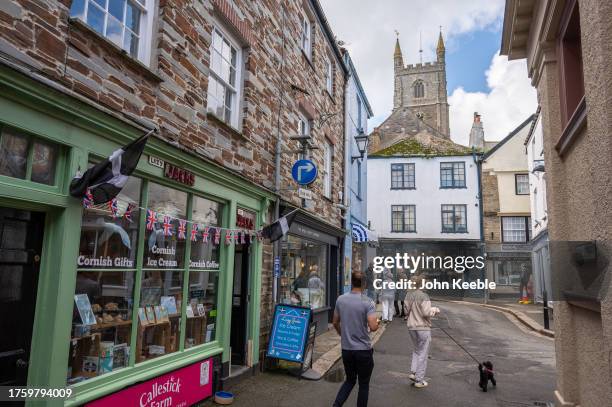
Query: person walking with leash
point(419, 313)
point(353, 315)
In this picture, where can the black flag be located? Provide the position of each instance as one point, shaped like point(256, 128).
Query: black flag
point(106, 179)
point(278, 229)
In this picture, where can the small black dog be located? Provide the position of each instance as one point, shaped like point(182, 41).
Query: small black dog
point(486, 374)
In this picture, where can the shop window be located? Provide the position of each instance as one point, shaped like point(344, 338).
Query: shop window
point(109, 239)
point(102, 322)
point(304, 272)
point(204, 253)
point(452, 175)
point(508, 272)
point(225, 79)
point(454, 219)
point(521, 184)
point(202, 311)
point(124, 22)
point(28, 158)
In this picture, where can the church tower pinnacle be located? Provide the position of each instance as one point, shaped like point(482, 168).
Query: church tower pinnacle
point(397, 55)
point(440, 49)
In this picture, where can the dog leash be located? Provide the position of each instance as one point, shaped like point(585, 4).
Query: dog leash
point(456, 343)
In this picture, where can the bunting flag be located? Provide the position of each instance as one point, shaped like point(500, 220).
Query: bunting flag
point(194, 232)
point(205, 234)
point(260, 236)
point(251, 237)
point(167, 226)
point(217, 235)
point(278, 229)
point(243, 237)
point(182, 229)
point(88, 200)
point(228, 237)
point(151, 219)
point(113, 208)
point(128, 212)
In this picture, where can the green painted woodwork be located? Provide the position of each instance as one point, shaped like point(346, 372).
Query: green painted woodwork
point(85, 132)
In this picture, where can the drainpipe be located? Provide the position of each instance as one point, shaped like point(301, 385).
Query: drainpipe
point(277, 155)
point(478, 162)
point(347, 178)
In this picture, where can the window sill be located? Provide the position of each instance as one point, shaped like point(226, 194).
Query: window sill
point(231, 129)
point(400, 231)
point(463, 187)
point(573, 129)
point(114, 48)
point(400, 189)
point(453, 232)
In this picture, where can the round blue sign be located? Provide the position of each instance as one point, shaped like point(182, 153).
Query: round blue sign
point(304, 172)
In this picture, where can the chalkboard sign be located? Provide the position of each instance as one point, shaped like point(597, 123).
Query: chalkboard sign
point(290, 331)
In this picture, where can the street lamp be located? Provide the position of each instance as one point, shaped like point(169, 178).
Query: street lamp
point(362, 140)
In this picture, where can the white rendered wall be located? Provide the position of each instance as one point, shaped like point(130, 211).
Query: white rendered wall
point(537, 181)
point(428, 198)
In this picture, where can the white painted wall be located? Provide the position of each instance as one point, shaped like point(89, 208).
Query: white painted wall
point(537, 181)
point(427, 196)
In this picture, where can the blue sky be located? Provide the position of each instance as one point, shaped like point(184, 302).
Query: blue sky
point(468, 57)
point(478, 78)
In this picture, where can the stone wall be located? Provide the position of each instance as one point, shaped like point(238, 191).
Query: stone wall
point(170, 91)
point(490, 208)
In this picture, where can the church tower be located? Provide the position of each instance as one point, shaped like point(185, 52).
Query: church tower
point(422, 88)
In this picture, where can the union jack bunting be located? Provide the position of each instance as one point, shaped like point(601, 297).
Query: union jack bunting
point(88, 200)
point(228, 237)
point(128, 212)
point(205, 234)
point(243, 237)
point(167, 226)
point(151, 219)
point(251, 237)
point(236, 236)
point(182, 229)
point(113, 208)
point(194, 232)
point(217, 235)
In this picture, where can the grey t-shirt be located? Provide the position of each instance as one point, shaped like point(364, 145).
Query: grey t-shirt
point(353, 309)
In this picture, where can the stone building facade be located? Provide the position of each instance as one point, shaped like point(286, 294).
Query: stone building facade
point(422, 88)
point(280, 74)
point(567, 50)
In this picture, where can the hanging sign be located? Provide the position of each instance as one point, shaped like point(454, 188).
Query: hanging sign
point(179, 175)
point(289, 335)
point(304, 172)
point(304, 193)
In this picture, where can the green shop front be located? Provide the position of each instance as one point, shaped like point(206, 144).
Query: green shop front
point(101, 298)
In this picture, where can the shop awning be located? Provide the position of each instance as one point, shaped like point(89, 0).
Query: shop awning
point(361, 234)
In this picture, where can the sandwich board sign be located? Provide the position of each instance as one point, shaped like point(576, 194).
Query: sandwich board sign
point(290, 333)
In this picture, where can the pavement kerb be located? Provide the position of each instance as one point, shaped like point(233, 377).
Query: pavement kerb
point(329, 358)
point(524, 319)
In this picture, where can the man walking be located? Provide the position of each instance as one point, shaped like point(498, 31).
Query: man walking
point(354, 314)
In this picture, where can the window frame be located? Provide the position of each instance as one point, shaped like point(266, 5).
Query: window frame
point(456, 181)
point(405, 178)
point(236, 116)
point(516, 184)
point(329, 77)
point(526, 229)
point(455, 229)
point(418, 89)
point(404, 210)
point(306, 35)
point(145, 34)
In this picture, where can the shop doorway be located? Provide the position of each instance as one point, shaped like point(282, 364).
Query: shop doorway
point(240, 306)
point(21, 236)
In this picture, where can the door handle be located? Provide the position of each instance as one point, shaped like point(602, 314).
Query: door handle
point(21, 363)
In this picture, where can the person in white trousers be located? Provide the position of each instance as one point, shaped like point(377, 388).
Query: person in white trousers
point(420, 312)
point(387, 296)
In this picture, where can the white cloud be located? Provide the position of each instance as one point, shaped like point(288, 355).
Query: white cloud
point(368, 27)
point(510, 100)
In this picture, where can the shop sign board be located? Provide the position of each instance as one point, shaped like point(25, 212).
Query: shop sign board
point(289, 335)
point(179, 175)
point(277, 267)
point(304, 172)
point(156, 162)
point(182, 387)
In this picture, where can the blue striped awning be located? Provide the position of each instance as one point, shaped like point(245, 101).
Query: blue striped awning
point(360, 233)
